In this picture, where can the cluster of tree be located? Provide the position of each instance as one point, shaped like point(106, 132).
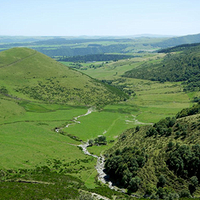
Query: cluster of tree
point(192, 85)
point(82, 67)
point(196, 99)
point(52, 91)
point(122, 87)
point(174, 67)
point(163, 127)
point(3, 90)
point(75, 51)
point(62, 41)
point(179, 48)
point(195, 109)
point(185, 162)
point(122, 166)
point(100, 140)
point(95, 57)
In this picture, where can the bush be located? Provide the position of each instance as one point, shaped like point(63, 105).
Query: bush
point(134, 184)
point(185, 194)
point(161, 181)
point(150, 189)
point(194, 180)
point(172, 196)
point(101, 140)
point(137, 128)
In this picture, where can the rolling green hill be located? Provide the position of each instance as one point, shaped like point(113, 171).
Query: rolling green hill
point(28, 74)
point(182, 47)
point(162, 160)
point(180, 66)
point(188, 39)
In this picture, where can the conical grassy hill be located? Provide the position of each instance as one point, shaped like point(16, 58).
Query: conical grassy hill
point(28, 74)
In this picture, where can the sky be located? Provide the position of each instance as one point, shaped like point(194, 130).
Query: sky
point(99, 17)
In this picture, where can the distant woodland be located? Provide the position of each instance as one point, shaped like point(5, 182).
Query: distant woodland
point(184, 66)
point(95, 57)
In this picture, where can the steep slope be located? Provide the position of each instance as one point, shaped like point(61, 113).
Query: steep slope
point(162, 160)
point(28, 74)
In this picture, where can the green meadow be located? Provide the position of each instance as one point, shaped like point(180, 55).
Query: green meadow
point(110, 122)
point(28, 137)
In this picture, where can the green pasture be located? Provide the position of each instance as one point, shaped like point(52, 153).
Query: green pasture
point(107, 123)
point(114, 69)
point(25, 145)
point(28, 139)
point(25, 133)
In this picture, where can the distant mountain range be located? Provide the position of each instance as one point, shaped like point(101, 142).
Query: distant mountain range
point(58, 46)
point(13, 39)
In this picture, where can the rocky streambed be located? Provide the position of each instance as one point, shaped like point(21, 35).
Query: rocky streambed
point(102, 176)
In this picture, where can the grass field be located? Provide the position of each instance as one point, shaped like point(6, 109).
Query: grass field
point(110, 122)
point(28, 139)
point(30, 134)
point(114, 69)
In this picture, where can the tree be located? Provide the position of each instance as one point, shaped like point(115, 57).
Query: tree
point(161, 181)
point(185, 193)
point(173, 196)
point(170, 145)
point(134, 184)
point(194, 180)
point(161, 193)
point(101, 140)
point(137, 128)
point(194, 184)
point(91, 142)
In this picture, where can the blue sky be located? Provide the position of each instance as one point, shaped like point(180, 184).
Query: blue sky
point(99, 17)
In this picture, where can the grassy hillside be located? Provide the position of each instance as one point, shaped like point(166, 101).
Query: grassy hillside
point(182, 47)
point(28, 74)
point(160, 160)
point(181, 66)
point(188, 39)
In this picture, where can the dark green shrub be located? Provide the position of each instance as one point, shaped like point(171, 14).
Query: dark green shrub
point(184, 194)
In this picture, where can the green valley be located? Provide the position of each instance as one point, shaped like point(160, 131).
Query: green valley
point(132, 105)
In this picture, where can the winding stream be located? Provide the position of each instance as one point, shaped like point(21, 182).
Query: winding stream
point(102, 176)
point(100, 159)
